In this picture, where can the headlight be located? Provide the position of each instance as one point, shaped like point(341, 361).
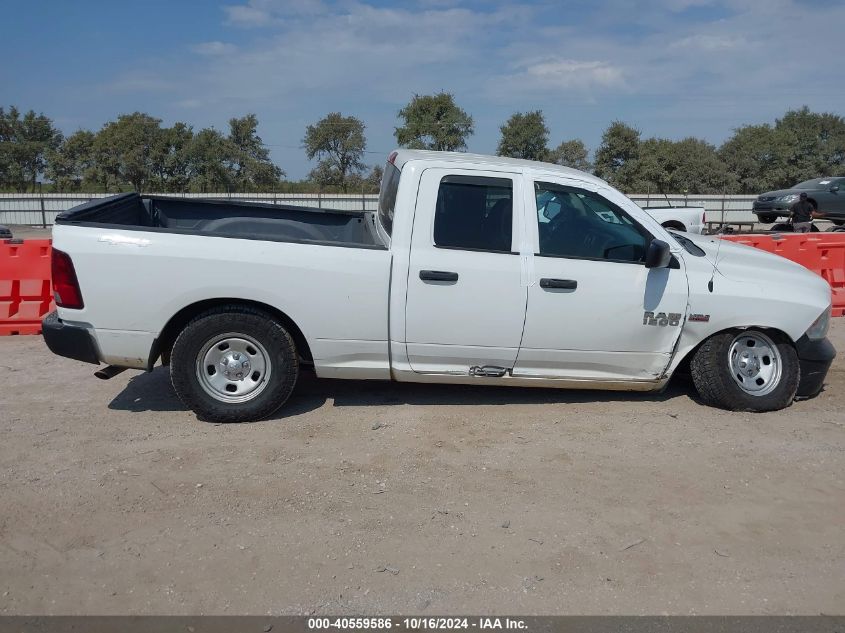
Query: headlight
point(818, 330)
point(791, 197)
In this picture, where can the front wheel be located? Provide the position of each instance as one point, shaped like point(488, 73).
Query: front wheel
point(746, 370)
point(767, 218)
point(234, 364)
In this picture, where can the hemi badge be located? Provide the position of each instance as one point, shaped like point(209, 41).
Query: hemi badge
point(701, 318)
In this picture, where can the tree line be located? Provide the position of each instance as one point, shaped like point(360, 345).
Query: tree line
point(136, 151)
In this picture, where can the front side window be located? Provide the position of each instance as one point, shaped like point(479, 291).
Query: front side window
point(573, 222)
point(474, 212)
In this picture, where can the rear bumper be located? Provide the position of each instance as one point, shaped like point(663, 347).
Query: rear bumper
point(70, 341)
point(814, 358)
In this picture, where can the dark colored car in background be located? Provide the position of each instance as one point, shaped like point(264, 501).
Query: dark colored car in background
point(827, 194)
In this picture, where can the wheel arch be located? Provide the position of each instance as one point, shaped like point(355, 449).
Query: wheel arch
point(163, 344)
point(681, 363)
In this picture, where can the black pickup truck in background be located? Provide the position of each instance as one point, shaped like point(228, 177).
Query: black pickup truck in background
point(827, 194)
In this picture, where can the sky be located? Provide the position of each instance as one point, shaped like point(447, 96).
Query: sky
point(672, 68)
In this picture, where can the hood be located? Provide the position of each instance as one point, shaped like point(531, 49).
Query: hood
point(749, 264)
point(780, 192)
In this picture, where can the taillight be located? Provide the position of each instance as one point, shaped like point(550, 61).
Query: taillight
point(392, 157)
point(65, 285)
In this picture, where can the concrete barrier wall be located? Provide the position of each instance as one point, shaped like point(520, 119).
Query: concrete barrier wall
point(37, 210)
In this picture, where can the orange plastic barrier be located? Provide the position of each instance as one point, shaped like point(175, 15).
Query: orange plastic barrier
point(25, 291)
point(823, 253)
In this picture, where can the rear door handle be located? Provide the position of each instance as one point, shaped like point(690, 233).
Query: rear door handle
point(565, 284)
point(438, 275)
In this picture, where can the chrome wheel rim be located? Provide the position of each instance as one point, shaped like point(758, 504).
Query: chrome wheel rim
point(233, 368)
point(755, 363)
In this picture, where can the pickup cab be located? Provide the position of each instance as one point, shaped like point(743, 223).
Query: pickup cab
point(474, 270)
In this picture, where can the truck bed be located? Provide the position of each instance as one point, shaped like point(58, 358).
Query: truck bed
point(227, 218)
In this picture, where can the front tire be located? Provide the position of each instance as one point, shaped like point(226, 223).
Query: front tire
point(767, 218)
point(234, 364)
point(746, 370)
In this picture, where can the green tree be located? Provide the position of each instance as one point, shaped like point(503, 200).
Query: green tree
point(696, 167)
point(814, 144)
point(128, 144)
point(170, 158)
point(373, 179)
point(25, 142)
point(250, 158)
point(338, 143)
point(210, 155)
point(434, 122)
point(620, 146)
point(525, 135)
point(572, 154)
point(752, 155)
point(70, 164)
point(799, 146)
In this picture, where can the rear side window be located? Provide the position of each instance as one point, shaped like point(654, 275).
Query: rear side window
point(474, 213)
point(387, 196)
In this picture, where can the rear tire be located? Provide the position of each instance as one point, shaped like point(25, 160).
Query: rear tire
point(234, 364)
point(746, 370)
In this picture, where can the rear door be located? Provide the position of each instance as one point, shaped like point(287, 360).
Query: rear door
point(465, 305)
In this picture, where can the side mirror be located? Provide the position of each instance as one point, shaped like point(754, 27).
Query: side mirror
point(834, 189)
point(657, 255)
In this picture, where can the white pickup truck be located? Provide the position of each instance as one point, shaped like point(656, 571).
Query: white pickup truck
point(689, 219)
point(474, 270)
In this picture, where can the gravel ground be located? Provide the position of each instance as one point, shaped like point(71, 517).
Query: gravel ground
point(381, 498)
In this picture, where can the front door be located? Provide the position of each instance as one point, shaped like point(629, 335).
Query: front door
point(466, 304)
point(595, 312)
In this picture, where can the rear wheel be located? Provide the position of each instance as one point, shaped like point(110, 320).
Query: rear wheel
point(746, 370)
point(234, 364)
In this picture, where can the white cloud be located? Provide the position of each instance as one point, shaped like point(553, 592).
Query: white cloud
point(258, 13)
point(571, 73)
point(211, 49)
point(247, 15)
point(708, 42)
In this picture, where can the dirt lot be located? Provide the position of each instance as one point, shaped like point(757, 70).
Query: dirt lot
point(372, 497)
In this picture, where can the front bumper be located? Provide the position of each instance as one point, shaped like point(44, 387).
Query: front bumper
point(70, 341)
point(814, 359)
point(769, 208)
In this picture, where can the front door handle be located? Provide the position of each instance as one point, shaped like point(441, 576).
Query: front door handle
point(564, 284)
point(438, 275)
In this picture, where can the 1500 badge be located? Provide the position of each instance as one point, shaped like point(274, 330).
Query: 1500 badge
point(661, 318)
